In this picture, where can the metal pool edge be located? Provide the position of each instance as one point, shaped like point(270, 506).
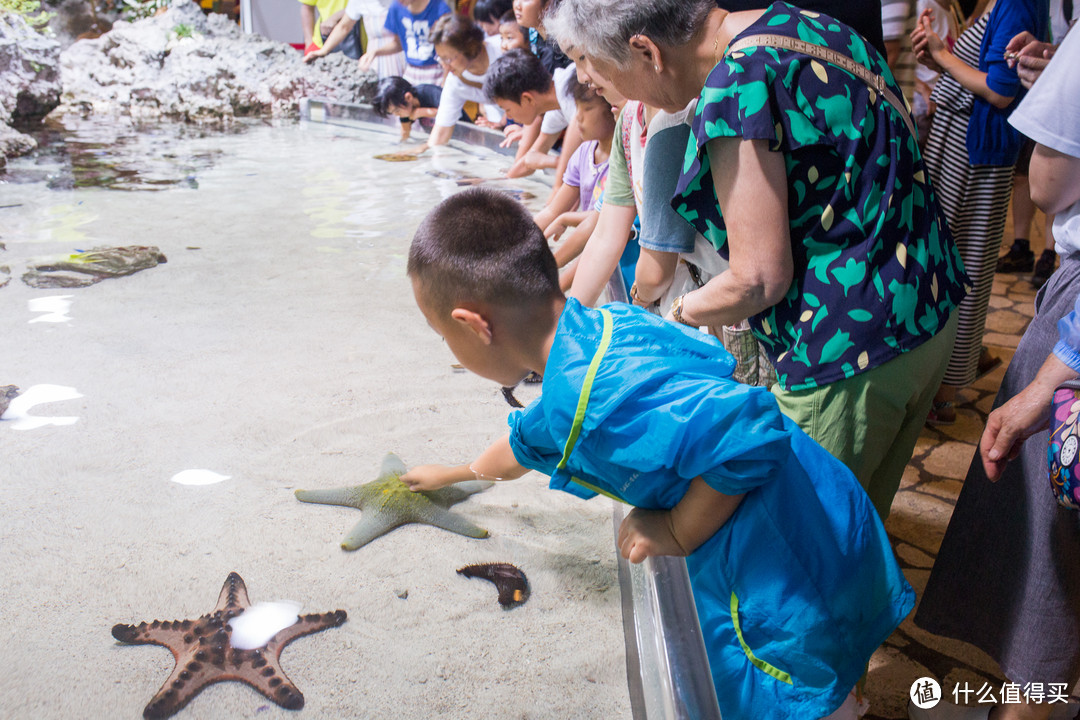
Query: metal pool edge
point(314, 109)
point(666, 666)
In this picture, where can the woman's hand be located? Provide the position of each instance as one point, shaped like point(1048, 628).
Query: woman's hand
point(366, 60)
point(646, 533)
point(1029, 56)
point(430, 477)
point(560, 224)
point(315, 54)
point(1025, 414)
point(927, 44)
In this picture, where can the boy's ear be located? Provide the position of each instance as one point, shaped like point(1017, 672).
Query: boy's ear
point(409, 97)
point(474, 321)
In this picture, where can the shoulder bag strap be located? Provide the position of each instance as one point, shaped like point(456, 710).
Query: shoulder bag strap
point(875, 82)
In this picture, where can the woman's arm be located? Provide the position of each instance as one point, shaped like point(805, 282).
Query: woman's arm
point(495, 463)
point(602, 252)
point(565, 199)
point(1054, 179)
point(572, 245)
point(389, 45)
point(926, 42)
point(664, 234)
point(341, 31)
point(653, 275)
point(307, 22)
point(679, 531)
point(751, 189)
point(1025, 414)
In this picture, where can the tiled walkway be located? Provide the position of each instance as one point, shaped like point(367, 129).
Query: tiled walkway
point(920, 514)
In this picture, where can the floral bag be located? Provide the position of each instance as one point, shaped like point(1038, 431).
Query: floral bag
point(1064, 449)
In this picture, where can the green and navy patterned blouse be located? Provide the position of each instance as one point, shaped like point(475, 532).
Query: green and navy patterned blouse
point(876, 270)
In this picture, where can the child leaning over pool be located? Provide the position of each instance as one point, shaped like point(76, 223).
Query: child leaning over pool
point(793, 575)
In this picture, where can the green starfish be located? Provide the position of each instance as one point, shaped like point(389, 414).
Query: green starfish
point(387, 503)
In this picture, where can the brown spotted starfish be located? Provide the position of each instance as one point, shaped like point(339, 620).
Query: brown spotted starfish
point(204, 653)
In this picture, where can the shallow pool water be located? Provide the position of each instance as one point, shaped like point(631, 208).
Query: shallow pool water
point(278, 348)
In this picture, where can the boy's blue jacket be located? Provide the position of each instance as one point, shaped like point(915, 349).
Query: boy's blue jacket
point(800, 586)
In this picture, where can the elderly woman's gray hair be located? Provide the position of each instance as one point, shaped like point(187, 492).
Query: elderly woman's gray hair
point(602, 28)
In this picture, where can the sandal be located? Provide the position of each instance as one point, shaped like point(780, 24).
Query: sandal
point(941, 413)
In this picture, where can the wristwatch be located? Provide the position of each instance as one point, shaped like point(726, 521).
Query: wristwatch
point(676, 311)
point(639, 301)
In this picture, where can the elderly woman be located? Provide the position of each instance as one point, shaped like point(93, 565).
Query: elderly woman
point(810, 183)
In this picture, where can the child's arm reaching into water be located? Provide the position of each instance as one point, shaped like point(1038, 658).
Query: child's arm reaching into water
point(495, 463)
point(680, 530)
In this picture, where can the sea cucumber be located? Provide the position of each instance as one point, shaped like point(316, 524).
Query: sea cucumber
point(512, 584)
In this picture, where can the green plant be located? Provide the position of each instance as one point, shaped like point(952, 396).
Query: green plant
point(182, 31)
point(31, 12)
point(139, 9)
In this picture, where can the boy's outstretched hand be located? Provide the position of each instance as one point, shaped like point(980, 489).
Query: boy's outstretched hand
point(645, 533)
point(431, 477)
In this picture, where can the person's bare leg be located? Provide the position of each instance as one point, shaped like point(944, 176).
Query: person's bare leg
point(1023, 207)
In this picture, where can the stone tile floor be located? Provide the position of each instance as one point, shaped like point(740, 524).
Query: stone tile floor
point(920, 515)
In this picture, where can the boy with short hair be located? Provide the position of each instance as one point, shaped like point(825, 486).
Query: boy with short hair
point(519, 83)
point(512, 35)
point(793, 576)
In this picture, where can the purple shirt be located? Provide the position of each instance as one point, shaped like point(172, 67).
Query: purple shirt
point(583, 173)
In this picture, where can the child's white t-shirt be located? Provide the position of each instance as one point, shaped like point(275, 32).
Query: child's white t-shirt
point(557, 120)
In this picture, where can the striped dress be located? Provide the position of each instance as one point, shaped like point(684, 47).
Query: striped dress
point(975, 199)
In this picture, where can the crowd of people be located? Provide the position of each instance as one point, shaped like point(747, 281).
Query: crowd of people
point(804, 204)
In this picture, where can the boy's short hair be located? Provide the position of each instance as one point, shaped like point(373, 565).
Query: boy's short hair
point(460, 33)
point(515, 73)
point(508, 17)
point(491, 10)
point(391, 92)
point(481, 245)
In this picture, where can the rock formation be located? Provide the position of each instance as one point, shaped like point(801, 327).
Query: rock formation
point(29, 81)
point(183, 64)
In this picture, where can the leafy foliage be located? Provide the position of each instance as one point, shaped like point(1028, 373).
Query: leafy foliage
point(31, 12)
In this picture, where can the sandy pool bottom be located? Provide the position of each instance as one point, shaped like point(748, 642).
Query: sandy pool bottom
point(279, 347)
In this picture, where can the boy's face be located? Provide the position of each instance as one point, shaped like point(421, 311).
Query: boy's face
point(467, 332)
point(523, 112)
point(512, 37)
point(528, 12)
point(406, 110)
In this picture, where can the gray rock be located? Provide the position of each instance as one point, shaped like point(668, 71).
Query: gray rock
point(152, 68)
point(14, 143)
point(7, 394)
point(29, 81)
point(29, 78)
